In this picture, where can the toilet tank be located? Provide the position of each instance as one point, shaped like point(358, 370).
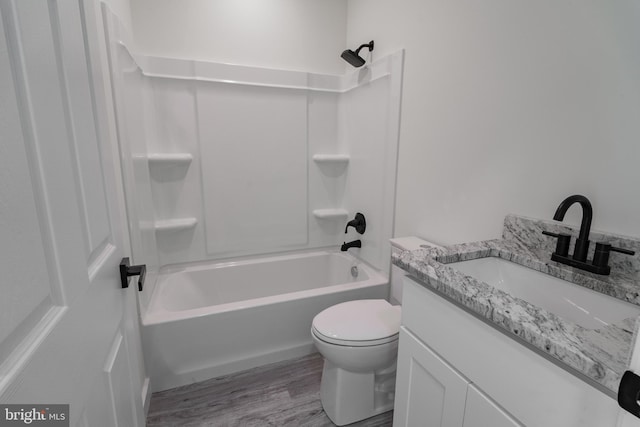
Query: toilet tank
point(409, 243)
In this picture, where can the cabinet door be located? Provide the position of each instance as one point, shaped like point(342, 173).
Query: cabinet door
point(429, 392)
point(480, 411)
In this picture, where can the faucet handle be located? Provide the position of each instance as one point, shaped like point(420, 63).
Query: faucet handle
point(548, 233)
point(359, 223)
point(601, 254)
point(622, 251)
point(562, 247)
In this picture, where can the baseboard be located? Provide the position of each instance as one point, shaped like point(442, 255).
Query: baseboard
point(146, 395)
point(184, 378)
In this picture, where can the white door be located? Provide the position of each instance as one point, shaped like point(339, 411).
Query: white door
point(68, 331)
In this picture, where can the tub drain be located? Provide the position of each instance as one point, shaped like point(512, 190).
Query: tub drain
point(354, 271)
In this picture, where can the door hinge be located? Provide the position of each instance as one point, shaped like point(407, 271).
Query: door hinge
point(127, 271)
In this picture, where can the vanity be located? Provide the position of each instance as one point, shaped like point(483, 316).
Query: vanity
point(478, 351)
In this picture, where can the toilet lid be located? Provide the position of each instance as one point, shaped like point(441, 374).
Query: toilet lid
point(368, 322)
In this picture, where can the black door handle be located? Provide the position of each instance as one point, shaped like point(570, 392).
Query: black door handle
point(127, 270)
point(628, 392)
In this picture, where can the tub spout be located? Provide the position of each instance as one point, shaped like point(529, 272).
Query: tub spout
point(354, 244)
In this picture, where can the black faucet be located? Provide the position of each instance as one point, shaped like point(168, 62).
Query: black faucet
point(582, 242)
point(599, 264)
point(354, 244)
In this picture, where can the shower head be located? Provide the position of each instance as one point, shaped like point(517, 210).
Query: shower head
point(354, 58)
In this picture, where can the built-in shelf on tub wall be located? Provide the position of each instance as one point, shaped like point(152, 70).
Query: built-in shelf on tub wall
point(177, 159)
point(330, 213)
point(331, 158)
point(176, 224)
point(169, 167)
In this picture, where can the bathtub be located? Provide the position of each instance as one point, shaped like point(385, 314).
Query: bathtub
point(208, 320)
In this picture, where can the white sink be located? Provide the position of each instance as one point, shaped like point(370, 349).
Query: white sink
point(572, 302)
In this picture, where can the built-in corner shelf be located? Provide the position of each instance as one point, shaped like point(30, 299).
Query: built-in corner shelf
point(177, 224)
point(170, 159)
point(330, 213)
point(331, 158)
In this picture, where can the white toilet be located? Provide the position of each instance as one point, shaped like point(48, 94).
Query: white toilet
point(359, 342)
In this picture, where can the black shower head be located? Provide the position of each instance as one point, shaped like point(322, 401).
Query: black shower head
point(354, 58)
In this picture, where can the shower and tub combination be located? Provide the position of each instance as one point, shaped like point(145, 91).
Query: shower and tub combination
point(239, 183)
point(211, 319)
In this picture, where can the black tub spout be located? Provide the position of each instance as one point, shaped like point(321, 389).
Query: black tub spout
point(354, 244)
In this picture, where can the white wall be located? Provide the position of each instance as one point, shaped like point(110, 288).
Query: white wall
point(305, 35)
point(509, 107)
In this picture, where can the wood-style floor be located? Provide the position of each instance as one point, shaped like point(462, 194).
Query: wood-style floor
point(281, 394)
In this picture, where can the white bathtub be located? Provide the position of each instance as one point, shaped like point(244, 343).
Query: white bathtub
point(207, 320)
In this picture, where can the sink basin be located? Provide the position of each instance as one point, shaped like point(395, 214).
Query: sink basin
point(572, 302)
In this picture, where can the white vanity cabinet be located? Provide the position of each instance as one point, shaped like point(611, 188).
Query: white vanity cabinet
point(455, 370)
point(435, 394)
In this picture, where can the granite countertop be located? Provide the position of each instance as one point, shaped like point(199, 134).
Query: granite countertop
point(600, 354)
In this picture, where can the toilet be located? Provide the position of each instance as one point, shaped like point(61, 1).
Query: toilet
point(359, 343)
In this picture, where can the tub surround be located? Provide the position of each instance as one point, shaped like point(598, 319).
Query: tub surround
point(601, 355)
point(304, 149)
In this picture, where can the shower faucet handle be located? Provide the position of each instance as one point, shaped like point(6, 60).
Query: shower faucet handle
point(359, 223)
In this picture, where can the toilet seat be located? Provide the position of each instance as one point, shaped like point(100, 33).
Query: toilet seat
point(358, 323)
point(352, 343)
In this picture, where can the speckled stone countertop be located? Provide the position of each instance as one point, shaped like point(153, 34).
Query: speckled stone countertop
point(600, 354)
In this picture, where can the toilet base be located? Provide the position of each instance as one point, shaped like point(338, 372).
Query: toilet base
point(348, 397)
